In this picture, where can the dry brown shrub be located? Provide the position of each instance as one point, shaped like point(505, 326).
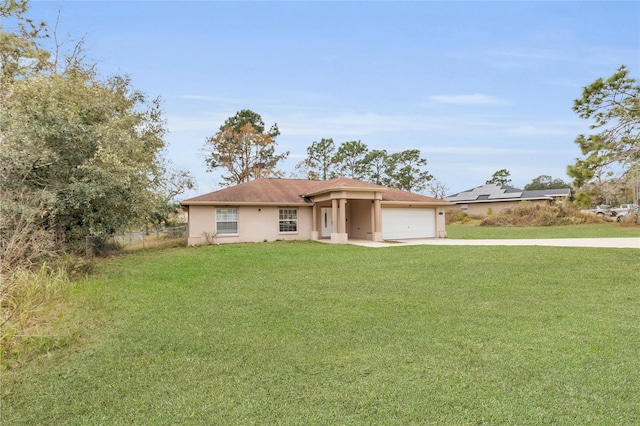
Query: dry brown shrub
point(629, 220)
point(459, 217)
point(528, 214)
point(26, 238)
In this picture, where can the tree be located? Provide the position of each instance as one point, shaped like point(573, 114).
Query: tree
point(176, 182)
point(402, 170)
point(319, 161)
point(94, 145)
point(377, 166)
point(438, 189)
point(545, 182)
point(244, 148)
point(614, 152)
point(20, 54)
point(501, 177)
point(349, 160)
point(86, 154)
point(406, 171)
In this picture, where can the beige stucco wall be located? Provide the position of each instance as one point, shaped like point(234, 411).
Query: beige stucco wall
point(260, 223)
point(359, 221)
point(441, 229)
point(255, 224)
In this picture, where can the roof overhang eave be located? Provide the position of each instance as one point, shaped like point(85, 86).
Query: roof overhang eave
point(346, 189)
point(246, 203)
point(418, 203)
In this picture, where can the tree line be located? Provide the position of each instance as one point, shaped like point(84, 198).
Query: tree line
point(405, 170)
point(246, 151)
point(503, 177)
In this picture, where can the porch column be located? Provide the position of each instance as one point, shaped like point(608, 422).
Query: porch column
point(334, 216)
point(339, 216)
point(372, 218)
point(315, 235)
point(377, 220)
point(343, 216)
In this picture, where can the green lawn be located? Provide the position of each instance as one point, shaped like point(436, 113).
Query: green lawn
point(601, 230)
point(309, 333)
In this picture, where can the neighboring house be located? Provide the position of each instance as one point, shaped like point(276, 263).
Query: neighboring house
point(478, 201)
point(297, 209)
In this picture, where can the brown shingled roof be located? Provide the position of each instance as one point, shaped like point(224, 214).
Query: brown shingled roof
point(394, 194)
point(267, 190)
point(293, 191)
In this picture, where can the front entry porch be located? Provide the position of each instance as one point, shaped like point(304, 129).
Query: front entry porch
point(345, 209)
point(342, 218)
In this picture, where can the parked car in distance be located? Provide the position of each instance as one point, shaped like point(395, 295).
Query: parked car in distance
point(601, 210)
point(623, 210)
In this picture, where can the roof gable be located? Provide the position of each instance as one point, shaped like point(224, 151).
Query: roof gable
point(343, 183)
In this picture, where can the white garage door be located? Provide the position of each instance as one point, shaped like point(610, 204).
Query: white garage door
point(408, 223)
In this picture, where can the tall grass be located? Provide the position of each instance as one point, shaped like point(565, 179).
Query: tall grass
point(29, 302)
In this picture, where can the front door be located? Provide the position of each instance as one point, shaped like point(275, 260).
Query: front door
point(326, 222)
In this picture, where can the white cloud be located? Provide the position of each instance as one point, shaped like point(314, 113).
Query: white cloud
point(475, 99)
point(528, 54)
point(548, 128)
point(353, 124)
point(483, 150)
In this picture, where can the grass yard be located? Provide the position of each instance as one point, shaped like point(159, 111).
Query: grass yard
point(600, 230)
point(308, 333)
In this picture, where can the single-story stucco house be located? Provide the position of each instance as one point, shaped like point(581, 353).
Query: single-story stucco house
point(297, 209)
point(479, 200)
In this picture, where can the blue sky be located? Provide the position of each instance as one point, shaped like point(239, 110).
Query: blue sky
point(476, 86)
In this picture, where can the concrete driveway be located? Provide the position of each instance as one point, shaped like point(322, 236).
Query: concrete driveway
point(554, 242)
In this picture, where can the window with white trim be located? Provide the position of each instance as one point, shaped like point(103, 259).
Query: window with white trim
point(226, 221)
point(288, 220)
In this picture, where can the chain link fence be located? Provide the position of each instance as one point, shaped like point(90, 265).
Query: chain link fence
point(99, 245)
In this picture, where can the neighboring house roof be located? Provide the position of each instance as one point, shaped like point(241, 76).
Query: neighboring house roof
point(495, 193)
point(298, 191)
point(560, 192)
